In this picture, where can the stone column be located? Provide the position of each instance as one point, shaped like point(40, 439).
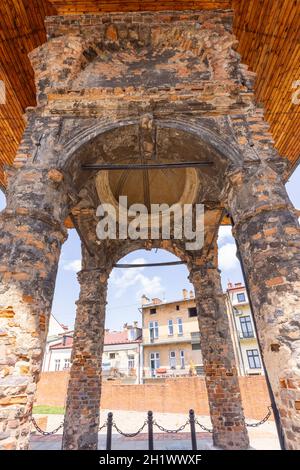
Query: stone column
point(226, 411)
point(267, 232)
point(84, 390)
point(31, 235)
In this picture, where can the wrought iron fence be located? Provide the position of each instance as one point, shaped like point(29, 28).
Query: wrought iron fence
point(150, 423)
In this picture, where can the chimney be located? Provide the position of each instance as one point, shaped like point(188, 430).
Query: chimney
point(229, 285)
point(135, 324)
point(184, 294)
point(192, 295)
point(238, 284)
point(125, 326)
point(144, 299)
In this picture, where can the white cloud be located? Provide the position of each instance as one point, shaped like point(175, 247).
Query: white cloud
point(150, 286)
point(74, 265)
point(227, 257)
point(225, 234)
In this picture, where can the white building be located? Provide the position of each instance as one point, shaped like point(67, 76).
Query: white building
point(57, 354)
point(243, 333)
point(122, 352)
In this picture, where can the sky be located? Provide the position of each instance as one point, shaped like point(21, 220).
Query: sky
point(126, 286)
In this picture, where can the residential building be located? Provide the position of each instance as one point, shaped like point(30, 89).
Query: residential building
point(248, 357)
point(57, 353)
point(171, 339)
point(167, 345)
point(121, 353)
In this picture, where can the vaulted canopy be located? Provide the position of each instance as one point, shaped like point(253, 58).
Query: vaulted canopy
point(268, 33)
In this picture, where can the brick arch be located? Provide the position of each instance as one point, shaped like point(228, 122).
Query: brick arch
point(226, 146)
point(175, 247)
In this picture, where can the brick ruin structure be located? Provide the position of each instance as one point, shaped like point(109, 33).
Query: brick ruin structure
point(142, 87)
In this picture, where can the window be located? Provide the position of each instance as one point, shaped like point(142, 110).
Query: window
point(152, 311)
point(153, 329)
point(57, 364)
point(253, 359)
point(112, 355)
point(170, 328)
point(196, 346)
point(154, 363)
point(130, 361)
point(241, 297)
point(246, 326)
point(177, 307)
point(180, 326)
point(195, 337)
point(172, 359)
point(131, 334)
point(182, 362)
point(192, 311)
point(67, 364)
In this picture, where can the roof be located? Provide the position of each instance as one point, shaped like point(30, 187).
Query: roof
point(111, 337)
point(268, 34)
point(118, 337)
point(234, 287)
point(176, 301)
point(63, 345)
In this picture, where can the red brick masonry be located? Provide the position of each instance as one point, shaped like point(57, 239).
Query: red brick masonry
point(173, 396)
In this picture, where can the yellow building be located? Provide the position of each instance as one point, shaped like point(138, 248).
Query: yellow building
point(171, 339)
point(246, 348)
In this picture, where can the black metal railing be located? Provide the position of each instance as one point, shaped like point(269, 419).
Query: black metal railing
point(150, 423)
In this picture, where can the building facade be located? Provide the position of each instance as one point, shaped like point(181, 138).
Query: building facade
point(171, 338)
point(167, 345)
point(121, 359)
point(246, 348)
point(122, 354)
point(58, 347)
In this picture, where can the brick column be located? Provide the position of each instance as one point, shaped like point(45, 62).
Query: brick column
point(226, 411)
point(31, 235)
point(84, 390)
point(267, 232)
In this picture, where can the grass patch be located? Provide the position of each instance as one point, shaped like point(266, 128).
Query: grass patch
point(48, 410)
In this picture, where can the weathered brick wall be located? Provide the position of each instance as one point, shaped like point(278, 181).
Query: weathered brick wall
point(173, 396)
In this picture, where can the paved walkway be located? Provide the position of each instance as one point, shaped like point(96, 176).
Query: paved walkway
point(262, 438)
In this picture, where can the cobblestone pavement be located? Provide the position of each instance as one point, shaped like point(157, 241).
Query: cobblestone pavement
point(263, 437)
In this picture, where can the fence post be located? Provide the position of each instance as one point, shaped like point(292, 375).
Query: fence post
point(193, 430)
point(150, 430)
point(109, 430)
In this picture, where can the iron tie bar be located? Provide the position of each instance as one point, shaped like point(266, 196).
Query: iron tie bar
point(148, 265)
point(141, 166)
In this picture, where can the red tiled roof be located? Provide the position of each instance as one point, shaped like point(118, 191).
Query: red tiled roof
point(117, 337)
point(63, 345)
point(111, 337)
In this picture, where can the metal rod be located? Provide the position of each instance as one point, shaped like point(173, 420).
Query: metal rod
point(109, 430)
point(193, 430)
point(150, 431)
point(142, 166)
point(148, 265)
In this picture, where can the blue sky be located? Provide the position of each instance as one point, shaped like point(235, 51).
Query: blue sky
point(127, 285)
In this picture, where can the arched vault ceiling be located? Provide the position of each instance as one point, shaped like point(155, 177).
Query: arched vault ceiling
point(269, 43)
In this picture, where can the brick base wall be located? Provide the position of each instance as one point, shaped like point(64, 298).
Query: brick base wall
point(172, 396)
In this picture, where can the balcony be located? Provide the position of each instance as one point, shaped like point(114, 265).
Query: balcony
point(184, 338)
